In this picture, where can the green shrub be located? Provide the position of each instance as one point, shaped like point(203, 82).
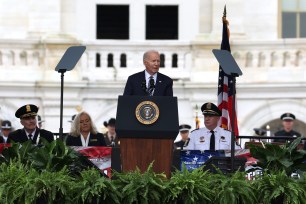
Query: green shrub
point(137, 187)
point(280, 158)
point(189, 187)
point(278, 186)
point(233, 188)
point(92, 187)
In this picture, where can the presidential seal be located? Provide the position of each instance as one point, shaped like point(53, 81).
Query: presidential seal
point(147, 112)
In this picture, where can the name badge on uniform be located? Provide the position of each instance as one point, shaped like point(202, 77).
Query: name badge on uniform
point(93, 140)
point(202, 139)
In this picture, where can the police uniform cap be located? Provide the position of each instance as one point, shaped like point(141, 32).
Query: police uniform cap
point(26, 111)
point(111, 122)
point(210, 109)
point(287, 116)
point(184, 127)
point(6, 124)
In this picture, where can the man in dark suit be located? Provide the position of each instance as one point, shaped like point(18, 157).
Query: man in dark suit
point(110, 136)
point(150, 81)
point(30, 131)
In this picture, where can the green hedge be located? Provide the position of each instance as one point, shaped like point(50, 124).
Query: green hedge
point(55, 174)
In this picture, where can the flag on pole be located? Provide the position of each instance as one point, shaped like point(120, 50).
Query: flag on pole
point(225, 92)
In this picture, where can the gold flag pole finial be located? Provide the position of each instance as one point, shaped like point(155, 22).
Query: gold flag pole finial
point(224, 12)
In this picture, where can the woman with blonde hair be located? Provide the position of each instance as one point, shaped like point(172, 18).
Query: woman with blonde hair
point(84, 132)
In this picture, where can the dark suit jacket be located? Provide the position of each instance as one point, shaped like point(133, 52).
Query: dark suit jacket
point(21, 136)
point(135, 85)
point(108, 142)
point(286, 134)
point(94, 140)
point(179, 144)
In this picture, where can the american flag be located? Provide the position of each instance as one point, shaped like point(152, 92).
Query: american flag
point(225, 92)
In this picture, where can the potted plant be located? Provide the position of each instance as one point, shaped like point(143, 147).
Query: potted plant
point(189, 187)
point(274, 158)
point(137, 187)
point(92, 187)
point(232, 188)
point(277, 187)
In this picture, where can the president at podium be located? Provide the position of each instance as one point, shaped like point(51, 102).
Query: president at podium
point(149, 82)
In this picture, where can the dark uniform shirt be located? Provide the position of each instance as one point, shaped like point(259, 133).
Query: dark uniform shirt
point(280, 133)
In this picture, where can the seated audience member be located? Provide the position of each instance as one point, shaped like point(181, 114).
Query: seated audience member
point(110, 136)
point(6, 128)
point(84, 132)
point(30, 131)
point(211, 137)
point(184, 133)
point(287, 131)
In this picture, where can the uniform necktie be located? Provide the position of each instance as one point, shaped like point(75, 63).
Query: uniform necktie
point(151, 86)
point(212, 141)
point(30, 136)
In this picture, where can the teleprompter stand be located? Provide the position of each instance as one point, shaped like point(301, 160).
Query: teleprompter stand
point(67, 63)
point(231, 68)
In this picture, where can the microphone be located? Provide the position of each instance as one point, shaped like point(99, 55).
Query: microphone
point(143, 86)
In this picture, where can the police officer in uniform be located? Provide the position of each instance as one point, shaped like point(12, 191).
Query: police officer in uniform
point(6, 128)
point(287, 131)
point(211, 137)
point(30, 131)
point(184, 132)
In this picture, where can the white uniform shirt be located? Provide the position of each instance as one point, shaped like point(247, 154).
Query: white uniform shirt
point(200, 139)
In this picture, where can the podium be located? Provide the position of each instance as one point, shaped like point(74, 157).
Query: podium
point(147, 127)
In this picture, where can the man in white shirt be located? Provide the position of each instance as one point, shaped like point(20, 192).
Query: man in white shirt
point(211, 137)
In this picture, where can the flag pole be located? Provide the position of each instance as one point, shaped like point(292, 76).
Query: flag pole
point(233, 82)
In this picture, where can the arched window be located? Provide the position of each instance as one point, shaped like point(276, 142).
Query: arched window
point(162, 60)
point(174, 60)
point(110, 60)
point(123, 60)
point(23, 58)
point(98, 60)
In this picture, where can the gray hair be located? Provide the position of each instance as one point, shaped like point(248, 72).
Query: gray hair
point(75, 127)
point(146, 54)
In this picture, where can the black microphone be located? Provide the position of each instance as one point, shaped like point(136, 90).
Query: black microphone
point(143, 86)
